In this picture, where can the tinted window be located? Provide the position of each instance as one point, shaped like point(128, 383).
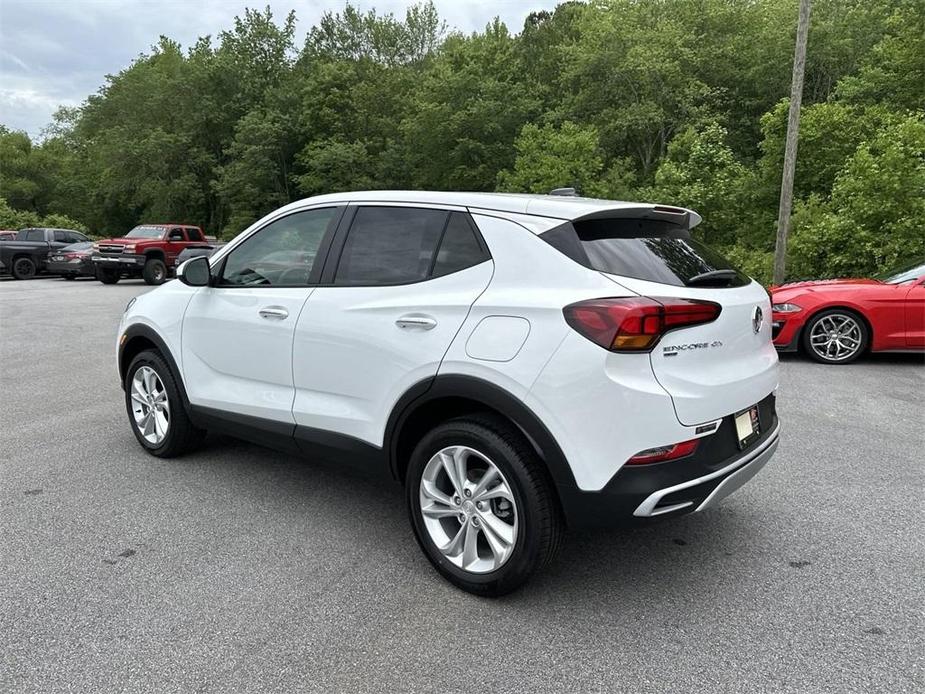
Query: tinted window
point(194, 234)
point(644, 249)
point(62, 236)
point(32, 235)
point(390, 245)
point(175, 235)
point(459, 248)
point(283, 253)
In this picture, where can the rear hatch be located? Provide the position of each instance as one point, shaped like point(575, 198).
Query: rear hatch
point(710, 370)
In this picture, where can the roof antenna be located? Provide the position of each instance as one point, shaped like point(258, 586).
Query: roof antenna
point(564, 192)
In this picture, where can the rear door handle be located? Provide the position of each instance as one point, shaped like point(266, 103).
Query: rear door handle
point(420, 322)
point(277, 312)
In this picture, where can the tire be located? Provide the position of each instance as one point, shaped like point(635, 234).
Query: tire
point(534, 520)
point(23, 268)
point(171, 432)
point(155, 272)
point(820, 343)
point(107, 275)
point(70, 277)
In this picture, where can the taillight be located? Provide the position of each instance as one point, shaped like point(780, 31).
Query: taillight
point(663, 453)
point(636, 324)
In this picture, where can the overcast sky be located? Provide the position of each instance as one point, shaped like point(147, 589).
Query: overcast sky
point(57, 52)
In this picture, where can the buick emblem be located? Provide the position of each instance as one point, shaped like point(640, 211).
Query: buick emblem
point(757, 318)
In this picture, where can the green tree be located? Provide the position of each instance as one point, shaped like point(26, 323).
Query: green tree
point(550, 157)
point(873, 218)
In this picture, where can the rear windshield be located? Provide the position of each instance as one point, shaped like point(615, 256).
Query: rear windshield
point(645, 249)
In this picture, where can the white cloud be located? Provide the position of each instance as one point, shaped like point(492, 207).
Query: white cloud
point(57, 52)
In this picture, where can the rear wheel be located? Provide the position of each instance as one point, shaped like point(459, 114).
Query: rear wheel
point(481, 506)
point(836, 336)
point(69, 277)
point(155, 272)
point(107, 275)
point(155, 408)
point(23, 268)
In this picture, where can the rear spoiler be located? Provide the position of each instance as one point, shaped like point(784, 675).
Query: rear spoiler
point(686, 219)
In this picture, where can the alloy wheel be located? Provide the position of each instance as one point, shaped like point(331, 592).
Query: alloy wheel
point(150, 405)
point(836, 337)
point(468, 509)
point(24, 268)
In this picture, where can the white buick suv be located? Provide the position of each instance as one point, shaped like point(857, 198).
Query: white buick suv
point(522, 364)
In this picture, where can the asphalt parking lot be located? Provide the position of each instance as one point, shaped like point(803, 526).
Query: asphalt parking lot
point(238, 569)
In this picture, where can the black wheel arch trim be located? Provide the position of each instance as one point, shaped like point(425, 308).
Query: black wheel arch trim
point(491, 396)
point(143, 331)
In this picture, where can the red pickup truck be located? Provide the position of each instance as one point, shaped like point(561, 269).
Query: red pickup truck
point(147, 251)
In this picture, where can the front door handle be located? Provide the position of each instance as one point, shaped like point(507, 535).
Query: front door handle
point(277, 312)
point(419, 322)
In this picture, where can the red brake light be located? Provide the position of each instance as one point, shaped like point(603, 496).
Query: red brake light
point(662, 453)
point(636, 324)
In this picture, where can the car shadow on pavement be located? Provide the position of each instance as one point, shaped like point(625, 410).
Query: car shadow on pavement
point(677, 555)
point(898, 358)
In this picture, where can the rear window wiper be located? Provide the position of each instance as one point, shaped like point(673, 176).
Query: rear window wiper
point(713, 276)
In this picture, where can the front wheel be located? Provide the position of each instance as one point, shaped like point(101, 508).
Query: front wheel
point(155, 408)
point(23, 268)
point(107, 275)
point(836, 336)
point(481, 506)
point(155, 272)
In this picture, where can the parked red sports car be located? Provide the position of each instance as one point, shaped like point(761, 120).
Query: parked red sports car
point(835, 321)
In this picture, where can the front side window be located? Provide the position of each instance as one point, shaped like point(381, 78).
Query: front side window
point(282, 254)
point(176, 235)
point(390, 245)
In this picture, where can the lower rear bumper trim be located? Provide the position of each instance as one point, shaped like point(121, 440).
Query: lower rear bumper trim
point(736, 474)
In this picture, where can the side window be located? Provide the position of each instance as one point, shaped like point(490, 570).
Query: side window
point(79, 238)
point(193, 234)
point(62, 236)
point(282, 254)
point(34, 235)
point(176, 234)
point(390, 245)
point(459, 249)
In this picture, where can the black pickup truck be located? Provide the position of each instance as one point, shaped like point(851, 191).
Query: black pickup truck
point(26, 255)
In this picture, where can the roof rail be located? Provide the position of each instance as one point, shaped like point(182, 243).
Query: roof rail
point(565, 192)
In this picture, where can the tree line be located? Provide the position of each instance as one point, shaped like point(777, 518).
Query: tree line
point(682, 102)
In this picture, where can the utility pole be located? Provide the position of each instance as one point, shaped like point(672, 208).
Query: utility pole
point(790, 152)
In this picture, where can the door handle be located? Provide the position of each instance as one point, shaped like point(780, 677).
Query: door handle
point(420, 322)
point(274, 312)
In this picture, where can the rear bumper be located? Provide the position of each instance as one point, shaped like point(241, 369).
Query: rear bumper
point(63, 267)
point(640, 494)
point(724, 481)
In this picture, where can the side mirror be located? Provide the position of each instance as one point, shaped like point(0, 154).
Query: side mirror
point(195, 272)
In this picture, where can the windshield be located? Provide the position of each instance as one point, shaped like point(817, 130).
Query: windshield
point(146, 232)
point(906, 273)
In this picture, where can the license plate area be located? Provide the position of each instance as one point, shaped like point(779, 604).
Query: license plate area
point(748, 427)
